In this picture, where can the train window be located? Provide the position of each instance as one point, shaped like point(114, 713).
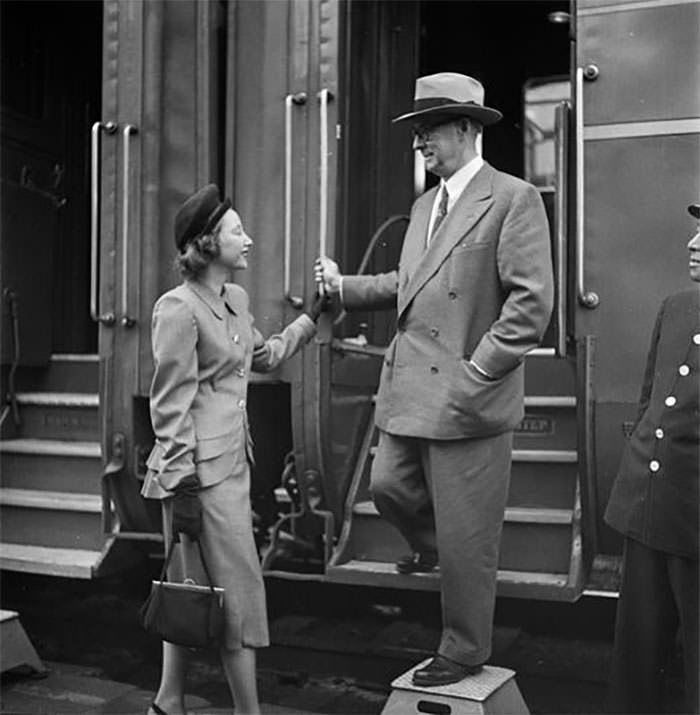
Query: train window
point(540, 98)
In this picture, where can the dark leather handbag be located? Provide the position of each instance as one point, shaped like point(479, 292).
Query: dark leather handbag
point(186, 614)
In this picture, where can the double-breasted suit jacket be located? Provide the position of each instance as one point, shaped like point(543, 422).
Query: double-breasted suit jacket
point(481, 290)
point(204, 347)
point(655, 495)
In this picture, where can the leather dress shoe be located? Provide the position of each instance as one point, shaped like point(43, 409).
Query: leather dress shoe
point(443, 671)
point(417, 562)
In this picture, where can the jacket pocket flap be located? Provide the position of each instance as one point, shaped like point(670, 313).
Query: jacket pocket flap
point(212, 447)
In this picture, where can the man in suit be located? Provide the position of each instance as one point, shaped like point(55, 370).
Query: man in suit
point(473, 293)
point(654, 503)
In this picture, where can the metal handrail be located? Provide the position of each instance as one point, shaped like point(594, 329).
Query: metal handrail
point(12, 406)
point(588, 299)
point(561, 168)
point(290, 100)
point(127, 320)
point(97, 129)
point(324, 96)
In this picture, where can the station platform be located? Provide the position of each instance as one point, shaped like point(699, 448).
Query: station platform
point(76, 690)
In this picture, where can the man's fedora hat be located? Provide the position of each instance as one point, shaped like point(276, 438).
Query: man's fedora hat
point(448, 95)
point(198, 215)
point(694, 210)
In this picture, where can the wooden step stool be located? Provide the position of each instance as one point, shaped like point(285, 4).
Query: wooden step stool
point(16, 649)
point(493, 690)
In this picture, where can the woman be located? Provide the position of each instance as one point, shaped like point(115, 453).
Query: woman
point(204, 345)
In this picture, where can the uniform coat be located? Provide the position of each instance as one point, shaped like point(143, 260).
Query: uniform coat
point(204, 346)
point(654, 503)
point(481, 290)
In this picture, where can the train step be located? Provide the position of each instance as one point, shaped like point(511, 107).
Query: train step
point(64, 373)
point(52, 465)
point(533, 539)
point(70, 416)
point(511, 583)
point(49, 560)
point(42, 518)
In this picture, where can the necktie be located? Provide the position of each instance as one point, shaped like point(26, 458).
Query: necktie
point(441, 212)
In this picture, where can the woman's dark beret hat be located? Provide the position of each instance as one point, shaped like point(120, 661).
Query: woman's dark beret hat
point(198, 215)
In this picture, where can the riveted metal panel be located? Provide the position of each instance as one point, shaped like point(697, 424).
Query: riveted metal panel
point(636, 229)
point(649, 62)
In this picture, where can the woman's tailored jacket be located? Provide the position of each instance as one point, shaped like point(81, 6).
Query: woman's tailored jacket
point(654, 499)
point(204, 347)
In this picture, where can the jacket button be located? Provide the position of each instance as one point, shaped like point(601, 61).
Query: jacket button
point(434, 369)
point(452, 294)
point(235, 338)
point(696, 338)
point(683, 370)
point(240, 372)
point(241, 404)
point(387, 363)
point(659, 433)
point(654, 466)
point(434, 332)
point(670, 401)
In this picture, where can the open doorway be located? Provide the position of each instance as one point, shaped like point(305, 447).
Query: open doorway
point(51, 94)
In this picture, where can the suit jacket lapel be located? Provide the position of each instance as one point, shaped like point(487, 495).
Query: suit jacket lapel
point(414, 243)
point(470, 207)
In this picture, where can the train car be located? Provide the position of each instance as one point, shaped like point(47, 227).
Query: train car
point(114, 111)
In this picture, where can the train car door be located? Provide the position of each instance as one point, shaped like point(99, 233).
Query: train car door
point(637, 136)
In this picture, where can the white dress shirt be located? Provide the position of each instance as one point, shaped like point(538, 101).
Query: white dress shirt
point(455, 185)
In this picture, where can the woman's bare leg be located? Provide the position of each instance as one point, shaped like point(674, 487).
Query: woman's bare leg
point(239, 666)
point(171, 693)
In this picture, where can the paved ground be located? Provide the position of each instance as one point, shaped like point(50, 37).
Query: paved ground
point(335, 649)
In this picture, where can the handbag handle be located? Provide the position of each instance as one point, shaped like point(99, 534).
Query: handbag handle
point(169, 556)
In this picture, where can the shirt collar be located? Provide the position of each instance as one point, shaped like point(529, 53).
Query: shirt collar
point(218, 304)
point(456, 184)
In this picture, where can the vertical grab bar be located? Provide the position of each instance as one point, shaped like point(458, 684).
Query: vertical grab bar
point(561, 169)
point(291, 99)
point(97, 128)
point(324, 96)
point(587, 299)
point(127, 320)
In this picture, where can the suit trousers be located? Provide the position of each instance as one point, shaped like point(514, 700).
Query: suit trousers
point(450, 496)
point(659, 593)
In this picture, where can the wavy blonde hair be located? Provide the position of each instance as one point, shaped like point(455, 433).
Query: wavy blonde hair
point(198, 254)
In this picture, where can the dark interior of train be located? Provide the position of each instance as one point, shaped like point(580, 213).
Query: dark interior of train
point(502, 43)
point(51, 87)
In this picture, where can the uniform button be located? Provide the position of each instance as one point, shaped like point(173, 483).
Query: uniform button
point(433, 369)
point(696, 338)
point(240, 372)
point(684, 370)
point(452, 294)
point(241, 404)
point(659, 433)
point(654, 465)
point(670, 401)
point(434, 332)
point(235, 338)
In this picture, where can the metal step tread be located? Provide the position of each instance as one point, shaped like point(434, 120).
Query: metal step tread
point(559, 456)
point(52, 447)
point(75, 357)
point(387, 569)
point(59, 399)
point(519, 514)
point(550, 401)
point(51, 561)
point(60, 501)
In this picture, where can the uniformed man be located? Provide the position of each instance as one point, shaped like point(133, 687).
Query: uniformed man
point(654, 503)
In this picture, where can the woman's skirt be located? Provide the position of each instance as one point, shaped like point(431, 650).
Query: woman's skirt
point(231, 556)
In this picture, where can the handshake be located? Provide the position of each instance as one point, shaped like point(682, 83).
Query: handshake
point(328, 278)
